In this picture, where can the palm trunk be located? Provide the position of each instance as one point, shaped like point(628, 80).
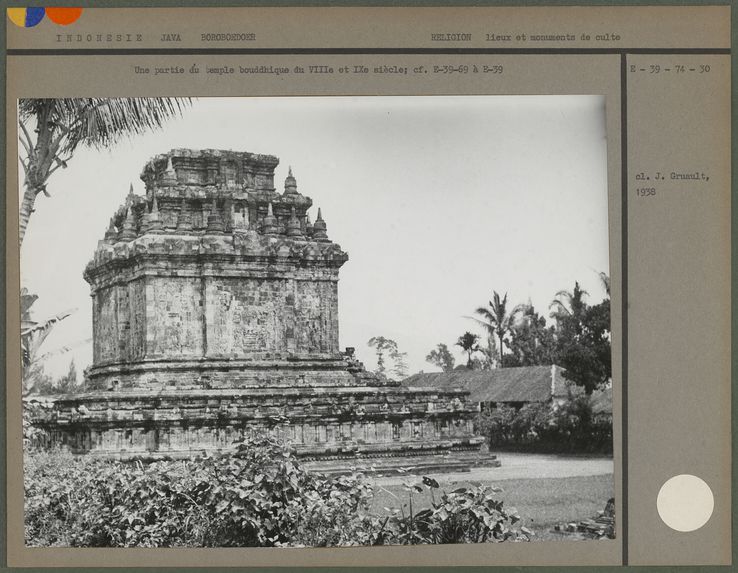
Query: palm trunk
point(499, 335)
point(40, 160)
point(26, 208)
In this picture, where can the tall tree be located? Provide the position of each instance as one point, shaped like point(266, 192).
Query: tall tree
point(441, 357)
point(497, 320)
point(490, 355)
point(531, 342)
point(50, 130)
point(468, 343)
point(382, 346)
point(583, 339)
point(68, 382)
point(569, 303)
point(399, 368)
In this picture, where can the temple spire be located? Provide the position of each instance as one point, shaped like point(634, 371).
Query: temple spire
point(294, 229)
point(290, 184)
point(128, 232)
point(269, 224)
point(170, 175)
point(320, 228)
point(145, 219)
point(155, 223)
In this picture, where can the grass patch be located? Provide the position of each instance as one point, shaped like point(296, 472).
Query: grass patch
point(541, 502)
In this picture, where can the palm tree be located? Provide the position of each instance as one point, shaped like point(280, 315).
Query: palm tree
point(50, 130)
point(496, 320)
point(569, 304)
point(468, 343)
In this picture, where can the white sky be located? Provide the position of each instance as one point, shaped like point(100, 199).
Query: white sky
point(438, 201)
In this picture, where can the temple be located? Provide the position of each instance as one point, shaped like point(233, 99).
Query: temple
point(215, 315)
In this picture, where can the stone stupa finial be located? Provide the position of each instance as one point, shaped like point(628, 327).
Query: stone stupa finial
point(128, 232)
point(145, 219)
point(154, 219)
point(294, 229)
point(269, 224)
point(170, 175)
point(320, 228)
point(290, 184)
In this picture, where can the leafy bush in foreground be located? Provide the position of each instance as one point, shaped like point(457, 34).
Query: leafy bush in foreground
point(258, 496)
point(468, 514)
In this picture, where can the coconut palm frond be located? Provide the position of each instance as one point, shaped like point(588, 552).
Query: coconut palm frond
point(51, 129)
point(489, 328)
point(485, 313)
point(99, 122)
point(563, 295)
point(559, 306)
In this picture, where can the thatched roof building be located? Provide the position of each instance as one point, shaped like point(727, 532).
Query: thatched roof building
point(511, 386)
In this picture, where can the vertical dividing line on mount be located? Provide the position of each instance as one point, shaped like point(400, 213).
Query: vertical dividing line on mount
point(624, 297)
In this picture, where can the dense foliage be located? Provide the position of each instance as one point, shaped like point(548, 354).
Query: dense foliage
point(578, 340)
point(386, 347)
point(573, 427)
point(441, 357)
point(258, 497)
point(583, 346)
point(469, 514)
point(468, 342)
point(531, 341)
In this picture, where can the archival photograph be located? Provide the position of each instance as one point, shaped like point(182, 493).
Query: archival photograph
point(315, 321)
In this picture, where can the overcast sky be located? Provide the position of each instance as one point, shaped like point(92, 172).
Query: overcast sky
point(437, 200)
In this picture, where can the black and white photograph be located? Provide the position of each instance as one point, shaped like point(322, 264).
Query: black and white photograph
point(315, 321)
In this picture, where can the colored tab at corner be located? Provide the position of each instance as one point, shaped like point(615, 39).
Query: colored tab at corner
point(26, 17)
point(63, 16)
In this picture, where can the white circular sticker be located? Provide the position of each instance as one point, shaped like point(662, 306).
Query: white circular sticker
point(685, 502)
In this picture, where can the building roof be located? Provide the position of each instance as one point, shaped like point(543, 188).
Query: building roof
point(522, 384)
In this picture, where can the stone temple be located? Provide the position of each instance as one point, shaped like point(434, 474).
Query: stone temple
point(215, 315)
